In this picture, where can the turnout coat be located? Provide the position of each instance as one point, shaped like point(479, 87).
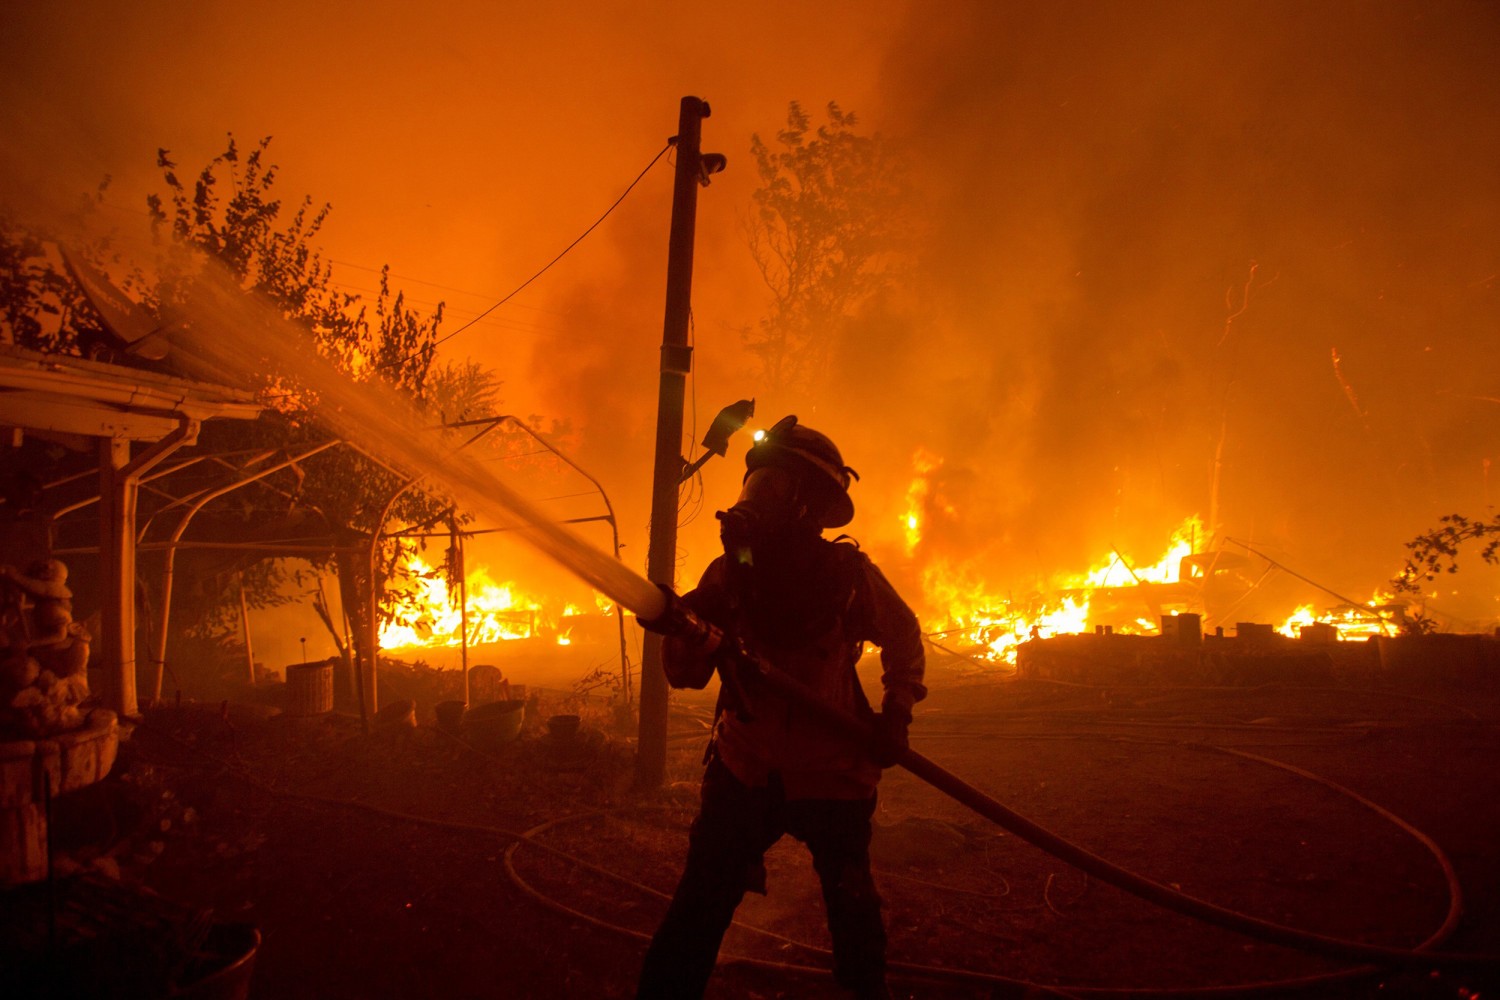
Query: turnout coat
point(808, 611)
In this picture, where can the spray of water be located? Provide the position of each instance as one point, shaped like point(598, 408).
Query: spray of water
point(230, 337)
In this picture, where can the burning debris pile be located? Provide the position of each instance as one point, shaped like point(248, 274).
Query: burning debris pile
point(1258, 654)
point(1117, 594)
point(44, 653)
point(432, 614)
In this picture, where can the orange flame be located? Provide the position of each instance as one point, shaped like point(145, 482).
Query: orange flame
point(915, 517)
point(432, 615)
point(990, 626)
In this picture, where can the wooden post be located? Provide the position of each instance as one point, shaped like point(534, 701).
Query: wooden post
point(676, 363)
point(117, 578)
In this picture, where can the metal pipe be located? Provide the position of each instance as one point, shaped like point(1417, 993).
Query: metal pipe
point(1384, 622)
point(614, 529)
point(245, 628)
point(172, 544)
point(496, 531)
point(175, 502)
point(269, 547)
point(463, 606)
point(369, 700)
point(121, 484)
point(90, 501)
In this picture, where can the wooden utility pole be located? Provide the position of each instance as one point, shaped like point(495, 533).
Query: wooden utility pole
point(676, 362)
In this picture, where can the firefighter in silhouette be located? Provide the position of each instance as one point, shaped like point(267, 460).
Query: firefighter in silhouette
point(807, 605)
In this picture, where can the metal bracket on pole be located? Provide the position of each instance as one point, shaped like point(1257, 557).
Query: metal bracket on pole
point(676, 359)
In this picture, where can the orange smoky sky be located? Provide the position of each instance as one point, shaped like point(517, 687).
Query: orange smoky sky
point(1149, 227)
point(463, 144)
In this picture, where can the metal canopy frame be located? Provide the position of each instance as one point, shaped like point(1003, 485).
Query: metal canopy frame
point(170, 479)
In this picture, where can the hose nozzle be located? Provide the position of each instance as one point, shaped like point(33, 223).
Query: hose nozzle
point(680, 622)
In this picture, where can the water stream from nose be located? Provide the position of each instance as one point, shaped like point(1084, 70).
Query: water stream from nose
point(231, 337)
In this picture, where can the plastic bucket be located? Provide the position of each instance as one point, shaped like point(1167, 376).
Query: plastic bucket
point(309, 689)
point(563, 728)
point(493, 725)
point(229, 964)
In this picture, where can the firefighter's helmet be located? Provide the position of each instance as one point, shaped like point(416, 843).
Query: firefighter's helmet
point(815, 460)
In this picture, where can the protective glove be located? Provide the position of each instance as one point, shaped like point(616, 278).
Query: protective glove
point(679, 620)
point(890, 736)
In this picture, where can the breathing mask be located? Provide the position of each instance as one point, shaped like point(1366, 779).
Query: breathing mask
point(770, 505)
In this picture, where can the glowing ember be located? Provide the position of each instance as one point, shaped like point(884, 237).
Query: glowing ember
point(925, 464)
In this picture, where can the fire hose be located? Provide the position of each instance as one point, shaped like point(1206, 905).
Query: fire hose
point(384, 424)
point(737, 666)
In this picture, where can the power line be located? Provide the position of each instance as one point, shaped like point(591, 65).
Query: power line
point(452, 311)
point(545, 268)
point(423, 281)
point(449, 308)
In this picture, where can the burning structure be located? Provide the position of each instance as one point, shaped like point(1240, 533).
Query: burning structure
point(1235, 265)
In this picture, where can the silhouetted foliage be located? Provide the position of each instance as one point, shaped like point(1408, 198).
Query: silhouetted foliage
point(828, 230)
point(1435, 553)
point(243, 229)
point(229, 215)
point(41, 306)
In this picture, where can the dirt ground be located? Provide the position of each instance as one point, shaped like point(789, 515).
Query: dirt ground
point(383, 866)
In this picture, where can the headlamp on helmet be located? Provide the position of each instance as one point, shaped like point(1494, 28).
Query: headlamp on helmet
point(815, 460)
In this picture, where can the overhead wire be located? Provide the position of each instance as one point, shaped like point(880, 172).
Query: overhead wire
point(545, 268)
point(503, 299)
point(501, 322)
point(487, 296)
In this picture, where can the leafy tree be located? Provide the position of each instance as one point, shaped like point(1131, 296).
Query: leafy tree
point(228, 215)
point(29, 290)
point(242, 230)
point(41, 307)
point(1436, 552)
point(462, 390)
point(828, 230)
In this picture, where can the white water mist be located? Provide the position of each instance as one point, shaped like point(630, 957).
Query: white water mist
point(230, 335)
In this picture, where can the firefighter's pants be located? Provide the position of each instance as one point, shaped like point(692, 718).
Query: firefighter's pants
point(726, 847)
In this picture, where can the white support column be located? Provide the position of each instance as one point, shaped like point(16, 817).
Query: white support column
point(119, 488)
point(117, 500)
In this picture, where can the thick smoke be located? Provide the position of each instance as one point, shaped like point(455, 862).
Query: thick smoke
point(1231, 260)
point(1201, 258)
